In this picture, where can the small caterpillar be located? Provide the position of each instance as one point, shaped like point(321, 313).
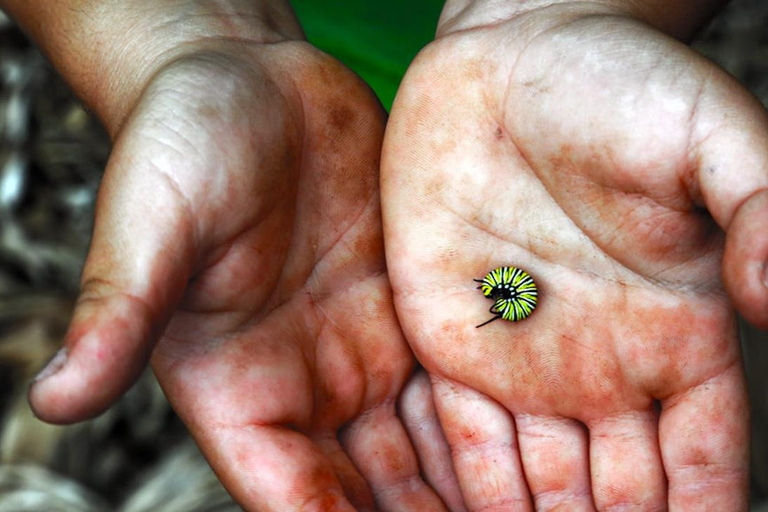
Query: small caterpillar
point(513, 291)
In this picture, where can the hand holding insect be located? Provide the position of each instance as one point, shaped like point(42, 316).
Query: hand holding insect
point(626, 174)
point(513, 292)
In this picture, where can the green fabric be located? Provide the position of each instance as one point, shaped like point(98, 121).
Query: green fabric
point(377, 39)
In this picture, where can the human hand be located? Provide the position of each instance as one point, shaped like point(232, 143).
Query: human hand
point(625, 173)
point(238, 244)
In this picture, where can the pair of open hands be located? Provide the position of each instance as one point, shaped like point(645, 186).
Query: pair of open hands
point(240, 246)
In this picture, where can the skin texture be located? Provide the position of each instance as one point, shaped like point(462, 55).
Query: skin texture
point(260, 260)
point(626, 174)
point(238, 246)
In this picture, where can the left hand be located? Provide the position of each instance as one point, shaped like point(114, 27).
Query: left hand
point(621, 170)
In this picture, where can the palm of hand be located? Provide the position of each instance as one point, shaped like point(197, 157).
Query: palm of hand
point(577, 161)
point(249, 221)
point(290, 333)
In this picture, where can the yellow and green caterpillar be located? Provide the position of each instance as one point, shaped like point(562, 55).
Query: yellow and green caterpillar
point(513, 291)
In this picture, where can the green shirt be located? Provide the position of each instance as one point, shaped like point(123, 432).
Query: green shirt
point(376, 39)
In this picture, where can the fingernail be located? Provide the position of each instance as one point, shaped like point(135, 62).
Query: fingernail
point(54, 365)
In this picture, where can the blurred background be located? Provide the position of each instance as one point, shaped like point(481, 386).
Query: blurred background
point(138, 456)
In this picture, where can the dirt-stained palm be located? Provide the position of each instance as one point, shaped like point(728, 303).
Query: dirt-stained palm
point(608, 161)
point(238, 245)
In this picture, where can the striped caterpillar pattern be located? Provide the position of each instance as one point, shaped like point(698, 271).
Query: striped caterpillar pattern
point(513, 292)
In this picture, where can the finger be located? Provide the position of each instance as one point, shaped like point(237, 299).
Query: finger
point(704, 434)
point(731, 141)
point(379, 446)
point(555, 456)
point(352, 482)
point(481, 434)
point(137, 267)
point(277, 469)
point(745, 262)
point(626, 465)
point(238, 398)
point(417, 410)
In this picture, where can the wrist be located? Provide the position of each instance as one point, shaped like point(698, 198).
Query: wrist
point(108, 50)
point(679, 19)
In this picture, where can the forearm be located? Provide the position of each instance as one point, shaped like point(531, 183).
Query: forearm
point(108, 49)
point(680, 19)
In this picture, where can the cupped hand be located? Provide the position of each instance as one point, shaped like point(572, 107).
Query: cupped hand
point(238, 246)
point(629, 177)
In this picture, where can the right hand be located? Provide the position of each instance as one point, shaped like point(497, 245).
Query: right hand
point(238, 245)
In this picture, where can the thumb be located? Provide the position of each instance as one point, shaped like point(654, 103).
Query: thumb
point(733, 178)
point(138, 265)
